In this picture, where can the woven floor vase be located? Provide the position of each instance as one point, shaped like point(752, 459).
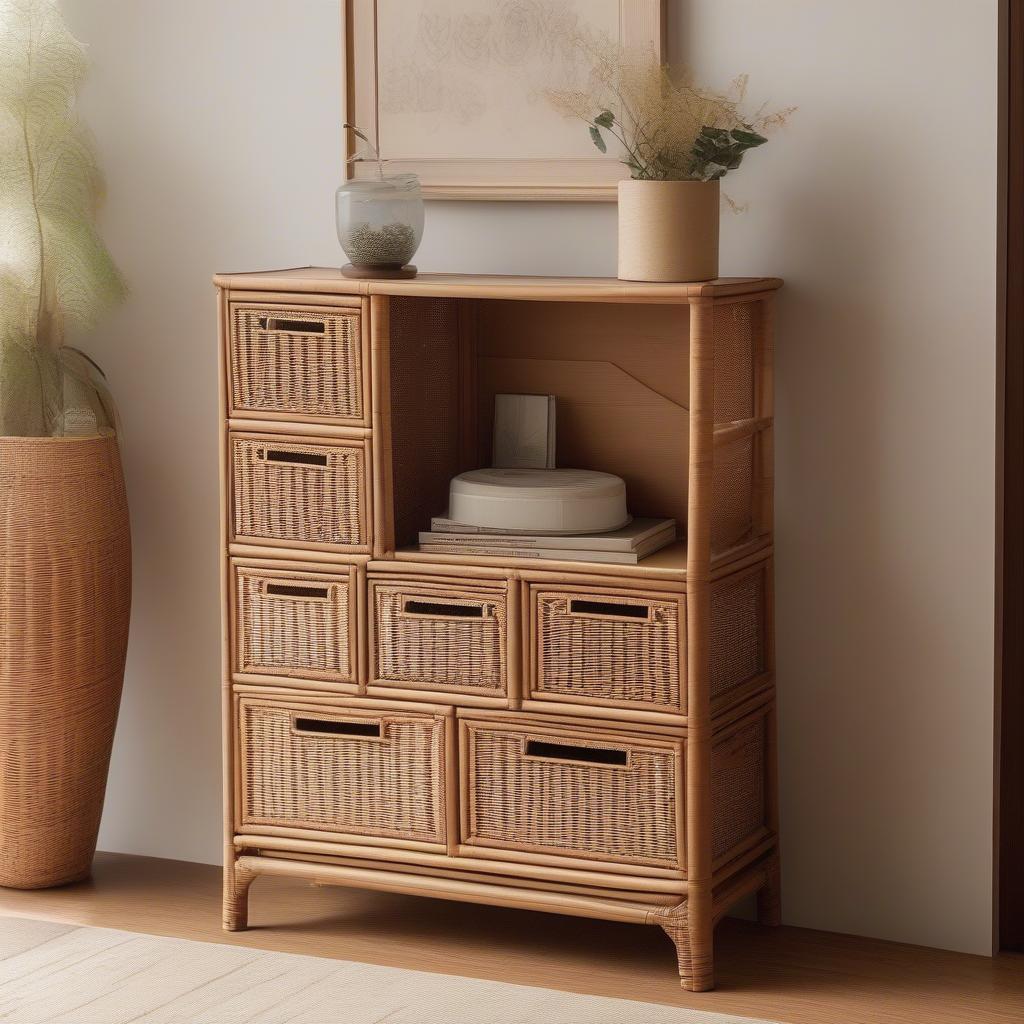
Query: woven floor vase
point(65, 596)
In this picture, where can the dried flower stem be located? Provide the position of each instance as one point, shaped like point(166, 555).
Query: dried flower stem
point(360, 134)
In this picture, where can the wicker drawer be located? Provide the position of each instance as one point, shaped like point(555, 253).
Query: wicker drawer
point(610, 648)
point(297, 361)
point(577, 792)
point(299, 493)
point(442, 637)
point(344, 770)
point(294, 623)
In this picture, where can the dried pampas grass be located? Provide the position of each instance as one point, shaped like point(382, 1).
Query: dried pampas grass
point(669, 128)
point(54, 270)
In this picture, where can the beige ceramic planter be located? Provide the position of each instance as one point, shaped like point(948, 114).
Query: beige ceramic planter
point(668, 230)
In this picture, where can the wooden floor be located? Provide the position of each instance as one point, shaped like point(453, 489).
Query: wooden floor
point(785, 974)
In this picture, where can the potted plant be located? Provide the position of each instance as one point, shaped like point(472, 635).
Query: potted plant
point(678, 141)
point(65, 574)
point(379, 219)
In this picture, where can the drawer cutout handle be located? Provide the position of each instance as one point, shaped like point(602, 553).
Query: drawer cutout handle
point(294, 458)
point(442, 610)
point(275, 325)
point(610, 610)
point(311, 593)
point(334, 727)
point(547, 751)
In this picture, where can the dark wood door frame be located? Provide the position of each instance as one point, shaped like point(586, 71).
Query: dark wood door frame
point(1009, 810)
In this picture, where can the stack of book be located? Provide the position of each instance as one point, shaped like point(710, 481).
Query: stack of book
point(627, 546)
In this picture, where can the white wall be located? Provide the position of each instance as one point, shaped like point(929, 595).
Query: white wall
point(218, 126)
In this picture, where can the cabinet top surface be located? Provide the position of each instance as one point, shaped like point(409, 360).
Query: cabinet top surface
point(329, 281)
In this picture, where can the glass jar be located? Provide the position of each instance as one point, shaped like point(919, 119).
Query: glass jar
point(380, 220)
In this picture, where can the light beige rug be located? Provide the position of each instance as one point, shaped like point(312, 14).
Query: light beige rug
point(54, 973)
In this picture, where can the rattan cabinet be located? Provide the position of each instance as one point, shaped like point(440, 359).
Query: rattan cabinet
point(571, 737)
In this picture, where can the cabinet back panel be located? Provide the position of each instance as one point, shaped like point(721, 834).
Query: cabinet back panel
point(621, 375)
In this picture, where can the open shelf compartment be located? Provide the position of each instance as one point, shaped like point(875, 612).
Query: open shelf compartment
point(620, 373)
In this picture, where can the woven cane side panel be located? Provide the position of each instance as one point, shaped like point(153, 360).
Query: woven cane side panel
point(734, 332)
point(296, 500)
point(293, 626)
point(425, 409)
point(441, 649)
point(624, 814)
point(392, 786)
point(313, 368)
point(613, 658)
point(737, 787)
point(732, 491)
point(737, 630)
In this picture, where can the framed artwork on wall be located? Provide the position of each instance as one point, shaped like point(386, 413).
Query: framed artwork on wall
point(453, 91)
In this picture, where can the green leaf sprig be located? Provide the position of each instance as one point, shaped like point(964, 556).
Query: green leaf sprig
point(715, 152)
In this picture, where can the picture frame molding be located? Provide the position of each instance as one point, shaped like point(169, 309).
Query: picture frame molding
point(583, 179)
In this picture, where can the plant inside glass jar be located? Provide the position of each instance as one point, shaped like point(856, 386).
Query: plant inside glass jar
point(379, 219)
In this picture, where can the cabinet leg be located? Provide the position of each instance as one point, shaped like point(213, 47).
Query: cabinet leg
point(769, 896)
point(236, 897)
point(693, 950)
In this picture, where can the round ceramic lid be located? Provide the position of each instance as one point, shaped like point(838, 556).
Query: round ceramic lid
point(540, 483)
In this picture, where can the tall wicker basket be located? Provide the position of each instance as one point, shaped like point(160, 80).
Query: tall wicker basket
point(65, 595)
